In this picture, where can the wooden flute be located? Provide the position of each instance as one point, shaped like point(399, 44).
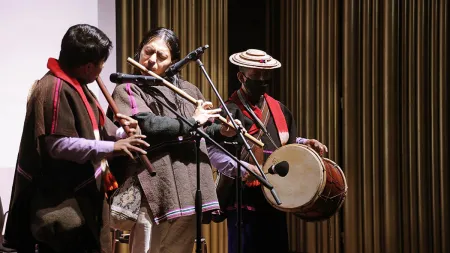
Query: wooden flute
point(188, 97)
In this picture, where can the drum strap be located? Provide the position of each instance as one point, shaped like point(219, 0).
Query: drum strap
point(261, 125)
point(257, 151)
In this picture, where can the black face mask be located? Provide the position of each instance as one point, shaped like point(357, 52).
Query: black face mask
point(256, 88)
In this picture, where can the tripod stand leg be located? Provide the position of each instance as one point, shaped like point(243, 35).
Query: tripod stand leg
point(238, 183)
point(198, 199)
point(239, 208)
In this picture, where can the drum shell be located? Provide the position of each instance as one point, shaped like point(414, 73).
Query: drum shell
point(314, 188)
point(331, 198)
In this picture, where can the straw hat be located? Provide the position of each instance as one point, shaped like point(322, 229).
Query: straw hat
point(254, 58)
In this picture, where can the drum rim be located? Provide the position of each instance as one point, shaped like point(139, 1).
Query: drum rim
point(341, 171)
point(319, 190)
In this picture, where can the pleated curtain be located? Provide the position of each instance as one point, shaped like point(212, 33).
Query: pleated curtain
point(367, 78)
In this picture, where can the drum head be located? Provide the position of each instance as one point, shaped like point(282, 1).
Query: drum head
point(303, 183)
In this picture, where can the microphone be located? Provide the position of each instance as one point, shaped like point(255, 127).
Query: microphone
point(281, 168)
point(119, 78)
point(192, 56)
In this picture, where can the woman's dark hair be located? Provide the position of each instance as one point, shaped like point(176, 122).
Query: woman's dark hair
point(168, 36)
point(173, 43)
point(84, 44)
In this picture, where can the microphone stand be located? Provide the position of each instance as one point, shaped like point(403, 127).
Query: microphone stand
point(247, 147)
point(198, 196)
point(238, 182)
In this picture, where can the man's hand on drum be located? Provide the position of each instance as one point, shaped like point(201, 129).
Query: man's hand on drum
point(249, 177)
point(317, 146)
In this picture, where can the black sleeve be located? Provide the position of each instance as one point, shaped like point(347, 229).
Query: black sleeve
point(236, 113)
point(214, 131)
point(161, 127)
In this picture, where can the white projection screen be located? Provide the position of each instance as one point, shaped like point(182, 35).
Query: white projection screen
point(31, 32)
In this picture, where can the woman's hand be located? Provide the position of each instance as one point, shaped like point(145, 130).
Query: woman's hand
point(203, 112)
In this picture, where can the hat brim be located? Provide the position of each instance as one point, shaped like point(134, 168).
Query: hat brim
point(239, 61)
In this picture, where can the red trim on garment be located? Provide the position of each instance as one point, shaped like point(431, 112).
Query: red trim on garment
point(56, 90)
point(55, 68)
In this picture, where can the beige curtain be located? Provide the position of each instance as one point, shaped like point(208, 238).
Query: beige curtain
point(305, 38)
point(197, 23)
point(369, 79)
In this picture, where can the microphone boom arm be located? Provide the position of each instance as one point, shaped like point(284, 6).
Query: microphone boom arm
point(192, 56)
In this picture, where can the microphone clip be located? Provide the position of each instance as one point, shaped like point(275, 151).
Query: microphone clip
point(194, 55)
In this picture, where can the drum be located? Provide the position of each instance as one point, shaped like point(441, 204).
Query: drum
point(314, 188)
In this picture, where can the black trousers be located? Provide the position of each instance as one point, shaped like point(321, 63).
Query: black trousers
point(42, 248)
point(262, 232)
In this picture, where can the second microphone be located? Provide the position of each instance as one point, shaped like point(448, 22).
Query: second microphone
point(119, 78)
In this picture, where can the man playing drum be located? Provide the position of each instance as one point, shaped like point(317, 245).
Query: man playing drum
point(264, 227)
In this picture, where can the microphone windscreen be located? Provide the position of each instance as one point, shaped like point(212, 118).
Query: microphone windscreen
point(114, 77)
point(281, 168)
